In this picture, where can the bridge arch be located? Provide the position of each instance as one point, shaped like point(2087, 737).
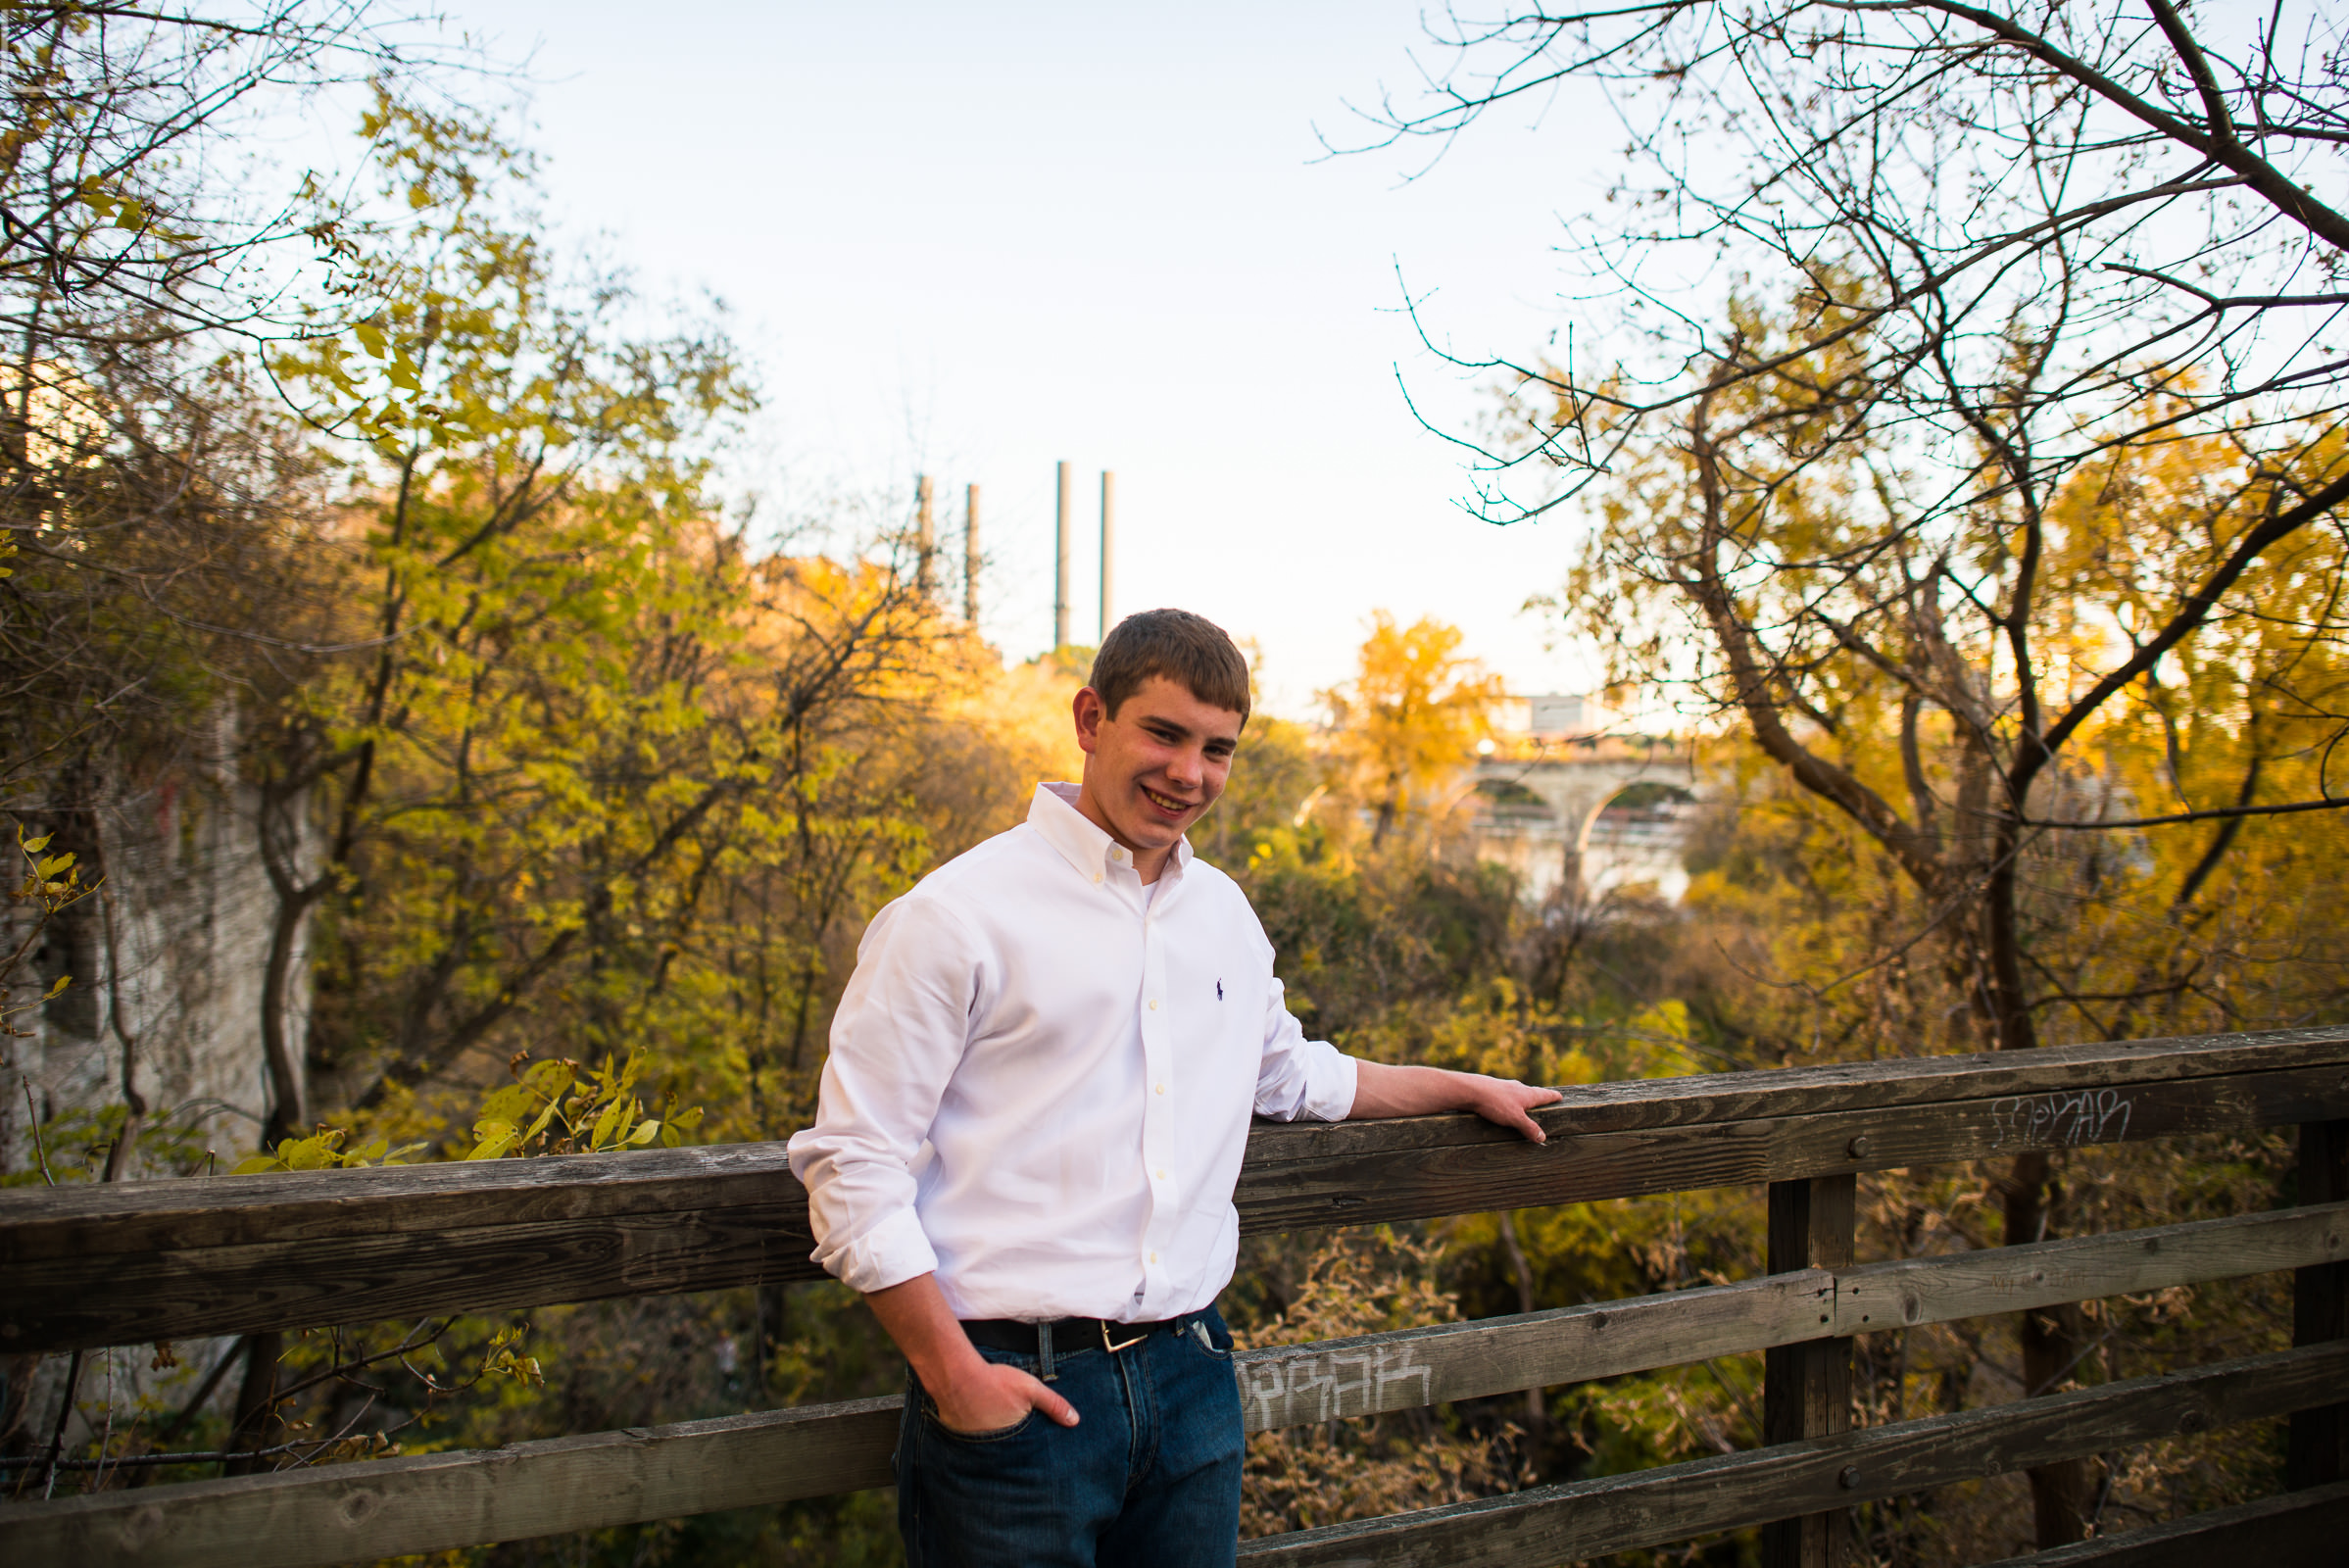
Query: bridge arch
point(1640, 793)
point(1538, 815)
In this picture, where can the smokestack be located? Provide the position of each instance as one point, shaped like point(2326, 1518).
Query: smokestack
point(1108, 547)
point(925, 571)
point(1061, 568)
point(970, 554)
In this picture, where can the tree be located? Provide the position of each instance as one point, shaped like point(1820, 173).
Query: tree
point(1413, 715)
point(147, 493)
point(120, 232)
point(581, 714)
point(159, 504)
point(2024, 420)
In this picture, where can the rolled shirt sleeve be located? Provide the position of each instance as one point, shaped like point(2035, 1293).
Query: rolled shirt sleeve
point(897, 1039)
point(1301, 1078)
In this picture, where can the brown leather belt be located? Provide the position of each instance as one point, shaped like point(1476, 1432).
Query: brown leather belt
point(1069, 1335)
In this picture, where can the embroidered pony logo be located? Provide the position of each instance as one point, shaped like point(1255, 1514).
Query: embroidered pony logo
point(1219, 990)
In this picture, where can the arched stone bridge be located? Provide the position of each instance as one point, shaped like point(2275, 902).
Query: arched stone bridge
point(1537, 814)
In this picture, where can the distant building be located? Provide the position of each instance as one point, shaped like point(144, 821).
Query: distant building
point(1547, 718)
point(1557, 715)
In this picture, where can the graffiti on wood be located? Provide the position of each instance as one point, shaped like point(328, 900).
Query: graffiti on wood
point(1287, 1391)
point(2075, 1116)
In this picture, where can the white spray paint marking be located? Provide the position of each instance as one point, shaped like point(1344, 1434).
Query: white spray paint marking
point(1288, 1391)
point(2075, 1116)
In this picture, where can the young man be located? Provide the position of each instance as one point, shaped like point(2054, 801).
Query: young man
point(1031, 1123)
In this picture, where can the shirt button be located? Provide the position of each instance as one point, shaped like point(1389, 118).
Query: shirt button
point(1154, 1257)
point(1162, 1175)
point(1097, 876)
point(1153, 1004)
point(1161, 1088)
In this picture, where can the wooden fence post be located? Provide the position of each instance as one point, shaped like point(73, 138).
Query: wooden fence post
point(2318, 1450)
point(1806, 1388)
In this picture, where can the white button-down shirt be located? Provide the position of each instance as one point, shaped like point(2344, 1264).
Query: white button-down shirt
point(1041, 1079)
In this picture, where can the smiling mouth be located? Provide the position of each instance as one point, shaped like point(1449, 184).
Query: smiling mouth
point(1167, 802)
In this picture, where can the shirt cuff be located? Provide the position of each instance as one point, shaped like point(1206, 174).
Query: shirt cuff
point(1329, 1083)
point(890, 1254)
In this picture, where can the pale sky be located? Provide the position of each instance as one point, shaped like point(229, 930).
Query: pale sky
point(976, 240)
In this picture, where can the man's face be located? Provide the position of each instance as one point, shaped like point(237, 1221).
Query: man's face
point(1155, 768)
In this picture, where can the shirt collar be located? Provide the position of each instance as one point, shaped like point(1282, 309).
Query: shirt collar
point(1054, 814)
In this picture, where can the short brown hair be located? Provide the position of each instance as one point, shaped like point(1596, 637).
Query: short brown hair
point(1179, 645)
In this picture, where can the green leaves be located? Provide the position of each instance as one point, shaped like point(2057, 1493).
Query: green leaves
point(497, 1137)
point(571, 1110)
point(322, 1150)
point(504, 1361)
point(125, 210)
point(51, 882)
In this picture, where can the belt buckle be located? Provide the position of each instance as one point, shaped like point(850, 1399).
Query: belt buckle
point(1121, 1345)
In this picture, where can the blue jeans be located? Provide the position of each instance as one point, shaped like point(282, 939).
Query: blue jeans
point(1149, 1476)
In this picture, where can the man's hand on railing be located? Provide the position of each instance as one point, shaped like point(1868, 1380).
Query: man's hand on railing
point(1381, 1089)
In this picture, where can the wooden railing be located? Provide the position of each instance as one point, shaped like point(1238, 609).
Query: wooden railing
point(97, 1266)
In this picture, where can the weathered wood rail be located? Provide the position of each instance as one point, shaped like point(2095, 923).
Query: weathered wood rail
point(87, 1266)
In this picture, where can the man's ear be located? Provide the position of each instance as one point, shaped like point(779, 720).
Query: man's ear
point(1088, 711)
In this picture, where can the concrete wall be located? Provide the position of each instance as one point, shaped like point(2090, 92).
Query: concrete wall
point(191, 909)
